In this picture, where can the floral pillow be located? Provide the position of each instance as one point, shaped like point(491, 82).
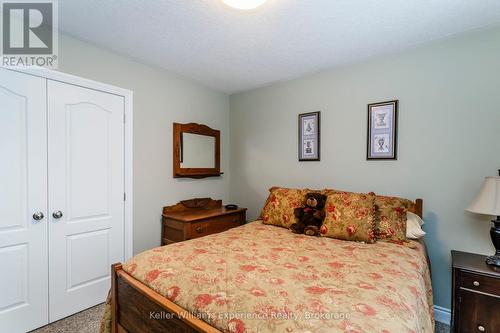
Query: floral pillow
point(350, 216)
point(391, 217)
point(280, 204)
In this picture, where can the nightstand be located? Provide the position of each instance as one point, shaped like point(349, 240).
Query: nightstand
point(475, 295)
point(197, 218)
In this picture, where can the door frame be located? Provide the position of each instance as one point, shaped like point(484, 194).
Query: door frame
point(128, 135)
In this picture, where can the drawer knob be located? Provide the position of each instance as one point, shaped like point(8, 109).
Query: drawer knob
point(480, 328)
point(476, 284)
point(199, 230)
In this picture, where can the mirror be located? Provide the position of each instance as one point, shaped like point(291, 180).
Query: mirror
point(196, 151)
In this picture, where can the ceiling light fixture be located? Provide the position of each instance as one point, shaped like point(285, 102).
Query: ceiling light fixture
point(244, 4)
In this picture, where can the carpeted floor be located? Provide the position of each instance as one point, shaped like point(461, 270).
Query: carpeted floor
point(88, 322)
point(442, 328)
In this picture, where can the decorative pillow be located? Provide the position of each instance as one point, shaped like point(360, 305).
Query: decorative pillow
point(328, 191)
point(414, 226)
point(391, 217)
point(350, 216)
point(279, 206)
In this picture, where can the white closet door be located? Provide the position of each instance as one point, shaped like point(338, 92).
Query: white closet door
point(86, 187)
point(23, 192)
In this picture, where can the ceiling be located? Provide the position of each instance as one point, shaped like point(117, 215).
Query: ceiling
point(232, 50)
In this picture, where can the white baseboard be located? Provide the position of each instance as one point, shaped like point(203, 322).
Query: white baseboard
point(443, 315)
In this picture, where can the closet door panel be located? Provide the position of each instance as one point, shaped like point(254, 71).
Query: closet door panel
point(86, 185)
point(23, 192)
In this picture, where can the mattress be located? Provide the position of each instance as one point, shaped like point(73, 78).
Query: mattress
point(263, 278)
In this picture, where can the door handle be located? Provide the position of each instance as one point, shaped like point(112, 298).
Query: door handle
point(38, 216)
point(57, 214)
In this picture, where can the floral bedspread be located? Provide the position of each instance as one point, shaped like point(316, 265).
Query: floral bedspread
point(263, 278)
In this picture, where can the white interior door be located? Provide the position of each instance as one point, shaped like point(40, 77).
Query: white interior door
point(23, 192)
point(86, 195)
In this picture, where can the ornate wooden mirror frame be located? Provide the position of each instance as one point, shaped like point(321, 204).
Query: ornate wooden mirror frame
point(199, 129)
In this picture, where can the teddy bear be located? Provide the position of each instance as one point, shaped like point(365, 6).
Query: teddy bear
point(310, 217)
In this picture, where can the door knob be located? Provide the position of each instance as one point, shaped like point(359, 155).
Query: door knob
point(38, 216)
point(57, 214)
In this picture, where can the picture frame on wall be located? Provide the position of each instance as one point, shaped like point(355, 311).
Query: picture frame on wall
point(382, 140)
point(309, 136)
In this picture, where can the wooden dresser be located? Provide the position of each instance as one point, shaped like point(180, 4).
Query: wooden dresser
point(197, 218)
point(476, 294)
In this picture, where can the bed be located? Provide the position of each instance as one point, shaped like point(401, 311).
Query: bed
point(263, 278)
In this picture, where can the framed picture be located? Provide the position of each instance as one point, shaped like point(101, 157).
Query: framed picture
point(382, 141)
point(309, 136)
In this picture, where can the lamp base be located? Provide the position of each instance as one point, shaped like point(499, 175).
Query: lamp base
point(494, 260)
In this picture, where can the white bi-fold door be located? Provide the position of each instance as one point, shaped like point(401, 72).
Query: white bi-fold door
point(86, 195)
point(61, 198)
point(23, 202)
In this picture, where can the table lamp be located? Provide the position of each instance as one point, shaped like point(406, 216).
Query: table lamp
point(487, 202)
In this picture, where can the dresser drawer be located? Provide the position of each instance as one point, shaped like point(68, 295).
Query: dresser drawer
point(480, 283)
point(215, 225)
point(198, 217)
point(478, 313)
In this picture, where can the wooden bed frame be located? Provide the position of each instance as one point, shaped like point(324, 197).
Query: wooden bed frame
point(133, 303)
point(135, 308)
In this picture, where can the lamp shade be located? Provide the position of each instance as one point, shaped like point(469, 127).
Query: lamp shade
point(487, 201)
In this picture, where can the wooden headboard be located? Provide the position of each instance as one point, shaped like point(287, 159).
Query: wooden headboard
point(418, 209)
